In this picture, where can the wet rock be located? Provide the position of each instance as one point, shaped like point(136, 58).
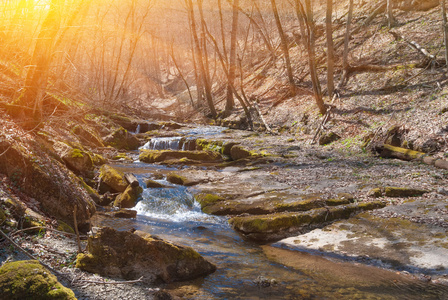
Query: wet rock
point(239, 152)
point(328, 138)
point(280, 225)
point(122, 139)
point(107, 198)
point(76, 160)
point(30, 280)
point(129, 197)
point(112, 178)
point(122, 213)
point(133, 255)
point(153, 156)
point(153, 184)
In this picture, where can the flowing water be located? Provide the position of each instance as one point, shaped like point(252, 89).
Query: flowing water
point(246, 270)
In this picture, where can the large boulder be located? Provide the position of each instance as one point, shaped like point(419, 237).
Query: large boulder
point(30, 280)
point(129, 197)
point(42, 177)
point(133, 255)
point(113, 178)
point(76, 160)
point(122, 139)
point(153, 156)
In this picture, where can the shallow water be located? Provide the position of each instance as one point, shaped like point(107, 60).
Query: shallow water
point(246, 269)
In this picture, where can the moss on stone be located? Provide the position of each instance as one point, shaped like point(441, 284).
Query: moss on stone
point(153, 184)
point(30, 280)
point(208, 199)
point(2, 216)
point(376, 192)
point(154, 156)
point(264, 227)
point(62, 226)
point(113, 178)
point(403, 192)
point(98, 160)
point(77, 153)
point(176, 178)
point(129, 197)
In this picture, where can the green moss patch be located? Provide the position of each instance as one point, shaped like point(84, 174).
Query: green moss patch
point(154, 156)
point(30, 280)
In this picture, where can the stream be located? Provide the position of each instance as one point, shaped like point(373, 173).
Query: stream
point(246, 270)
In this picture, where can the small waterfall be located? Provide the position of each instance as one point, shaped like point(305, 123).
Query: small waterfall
point(137, 131)
point(170, 143)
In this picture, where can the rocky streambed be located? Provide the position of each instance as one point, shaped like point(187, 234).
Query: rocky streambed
point(257, 215)
point(358, 213)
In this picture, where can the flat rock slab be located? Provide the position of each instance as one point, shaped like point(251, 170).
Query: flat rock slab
point(390, 242)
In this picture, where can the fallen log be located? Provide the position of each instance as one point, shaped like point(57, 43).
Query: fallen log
point(131, 179)
point(389, 151)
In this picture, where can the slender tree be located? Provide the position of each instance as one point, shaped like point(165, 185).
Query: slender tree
point(285, 48)
point(445, 30)
point(37, 76)
point(232, 56)
point(330, 48)
point(308, 22)
point(345, 64)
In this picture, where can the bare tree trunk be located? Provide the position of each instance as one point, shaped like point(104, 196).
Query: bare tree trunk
point(232, 59)
point(445, 30)
point(308, 22)
point(36, 80)
point(390, 16)
point(330, 48)
point(345, 64)
point(205, 68)
point(285, 49)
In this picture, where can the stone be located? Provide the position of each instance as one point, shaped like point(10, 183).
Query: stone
point(154, 156)
point(328, 138)
point(133, 255)
point(129, 197)
point(280, 225)
point(153, 184)
point(239, 152)
point(403, 192)
point(122, 139)
point(42, 177)
point(30, 280)
point(113, 178)
point(77, 160)
point(88, 137)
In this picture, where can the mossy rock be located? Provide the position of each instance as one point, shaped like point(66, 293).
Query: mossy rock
point(328, 138)
point(205, 199)
point(122, 139)
point(77, 160)
point(227, 147)
point(239, 152)
point(3, 216)
point(403, 192)
point(28, 279)
point(154, 156)
point(92, 193)
point(208, 145)
point(15, 207)
point(98, 160)
point(153, 184)
point(376, 193)
point(62, 226)
point(113, 178)
point(87, 136)
point(280, 225)
point(176, 179)
point(123, 213)
point(129, 197)
point(122, 157)
point(133, 255)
